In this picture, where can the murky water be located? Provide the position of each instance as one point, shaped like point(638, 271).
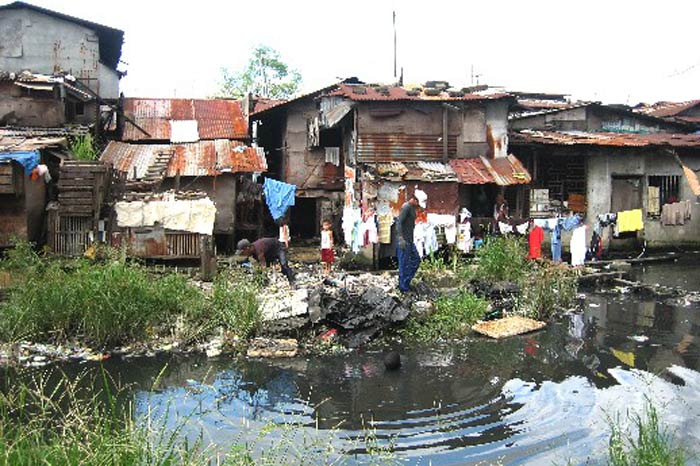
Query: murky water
point(683, 272)
point(544, 398)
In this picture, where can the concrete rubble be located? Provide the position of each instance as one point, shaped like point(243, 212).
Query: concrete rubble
point(358, 306)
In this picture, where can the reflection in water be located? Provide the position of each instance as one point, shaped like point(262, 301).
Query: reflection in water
point(532, 399)
point(535, 399)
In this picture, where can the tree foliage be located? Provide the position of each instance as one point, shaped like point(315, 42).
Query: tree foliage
point(265, 75)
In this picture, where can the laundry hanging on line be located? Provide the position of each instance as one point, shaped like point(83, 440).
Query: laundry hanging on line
point(279, 196)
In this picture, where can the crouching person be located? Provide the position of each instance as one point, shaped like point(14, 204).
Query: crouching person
point(266, 251)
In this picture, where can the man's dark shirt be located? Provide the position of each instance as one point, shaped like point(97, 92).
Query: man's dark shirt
point(406, 222)
point(268, 247)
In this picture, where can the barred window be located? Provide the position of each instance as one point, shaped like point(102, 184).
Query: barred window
point(662, 190)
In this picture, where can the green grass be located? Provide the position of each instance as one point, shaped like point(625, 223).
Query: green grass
point(451, 318)
point(115, 302)
point(652, 445)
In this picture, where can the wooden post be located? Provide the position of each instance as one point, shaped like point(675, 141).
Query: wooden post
point(208, 261)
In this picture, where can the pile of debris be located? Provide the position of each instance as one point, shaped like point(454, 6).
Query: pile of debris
point(359, 307)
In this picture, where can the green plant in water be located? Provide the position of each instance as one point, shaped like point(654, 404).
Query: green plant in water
point(547, 289)
point(451, 318)
point(502, 258)
point(83, 148)
point(652, 446)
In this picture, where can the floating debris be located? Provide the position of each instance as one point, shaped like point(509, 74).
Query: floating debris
point(508, 326)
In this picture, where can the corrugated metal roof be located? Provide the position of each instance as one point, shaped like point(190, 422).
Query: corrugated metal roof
point(386, 147)
point(216, 119)
point(667, 109)
point(502, 171)
point(414, 171)
point(21, 144)
point(570, 138)
point(203, 158)
point(364, 92)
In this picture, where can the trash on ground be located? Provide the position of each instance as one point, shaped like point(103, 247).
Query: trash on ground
point(508, 326)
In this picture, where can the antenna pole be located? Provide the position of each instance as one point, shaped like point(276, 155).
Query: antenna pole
point(394, 24)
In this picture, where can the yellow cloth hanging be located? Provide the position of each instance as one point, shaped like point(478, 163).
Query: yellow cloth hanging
point(630, 220)
point(625, 357)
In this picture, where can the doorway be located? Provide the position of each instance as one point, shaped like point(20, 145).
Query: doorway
point(304, 222)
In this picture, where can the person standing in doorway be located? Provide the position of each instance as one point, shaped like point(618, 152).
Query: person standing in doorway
point(407, 254)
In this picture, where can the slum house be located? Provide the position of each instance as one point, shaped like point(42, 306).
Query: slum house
point(353, 145)
point(55, 69)
point(597, 160)
point(686, 112)
point(186, 145)
point(29, 164)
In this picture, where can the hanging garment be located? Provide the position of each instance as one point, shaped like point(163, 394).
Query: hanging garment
point(535, 242)
point(556, 243)
point(419, 238)
point(541, 222)
point(653, 197)
point(629, 220)
point(552, 223)
point(351, 217)
point(504, 228)
point(279, 196)
point(578, 246)
point(370, 229)
point(464, 236)
point(384, 229)
point(451, 233)
point(431, 241)
point(571, 222)
point(522, 228)
point(464, 215)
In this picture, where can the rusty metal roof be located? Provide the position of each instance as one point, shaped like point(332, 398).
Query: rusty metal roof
point(365, 92)
point(414, 171)
point(667, 109)
point(203, 158)
point(21, 144)
point(502, 171)
point(570, 138)
point(216, 119)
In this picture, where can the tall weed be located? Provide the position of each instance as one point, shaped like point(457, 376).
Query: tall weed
point(652, 445)
point(548, 288)
point(502, 258)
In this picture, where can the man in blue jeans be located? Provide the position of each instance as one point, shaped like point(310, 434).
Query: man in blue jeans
point(409, 260)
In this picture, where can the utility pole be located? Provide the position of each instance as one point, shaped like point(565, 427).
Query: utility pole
point(394, 25)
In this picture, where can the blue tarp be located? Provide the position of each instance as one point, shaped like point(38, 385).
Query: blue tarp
point(278, 196)
point(28, 159)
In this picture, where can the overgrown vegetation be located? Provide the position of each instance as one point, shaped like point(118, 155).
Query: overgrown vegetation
point(451, 318)
point(116, 302)
point(548, 288)
point(502, 258)
point(83, 148)
point(651, 446)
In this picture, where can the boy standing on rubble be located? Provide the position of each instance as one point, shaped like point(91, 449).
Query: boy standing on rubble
point(327, 254)
point(407, 254)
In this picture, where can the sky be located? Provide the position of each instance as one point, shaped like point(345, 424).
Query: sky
point(614, 51)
